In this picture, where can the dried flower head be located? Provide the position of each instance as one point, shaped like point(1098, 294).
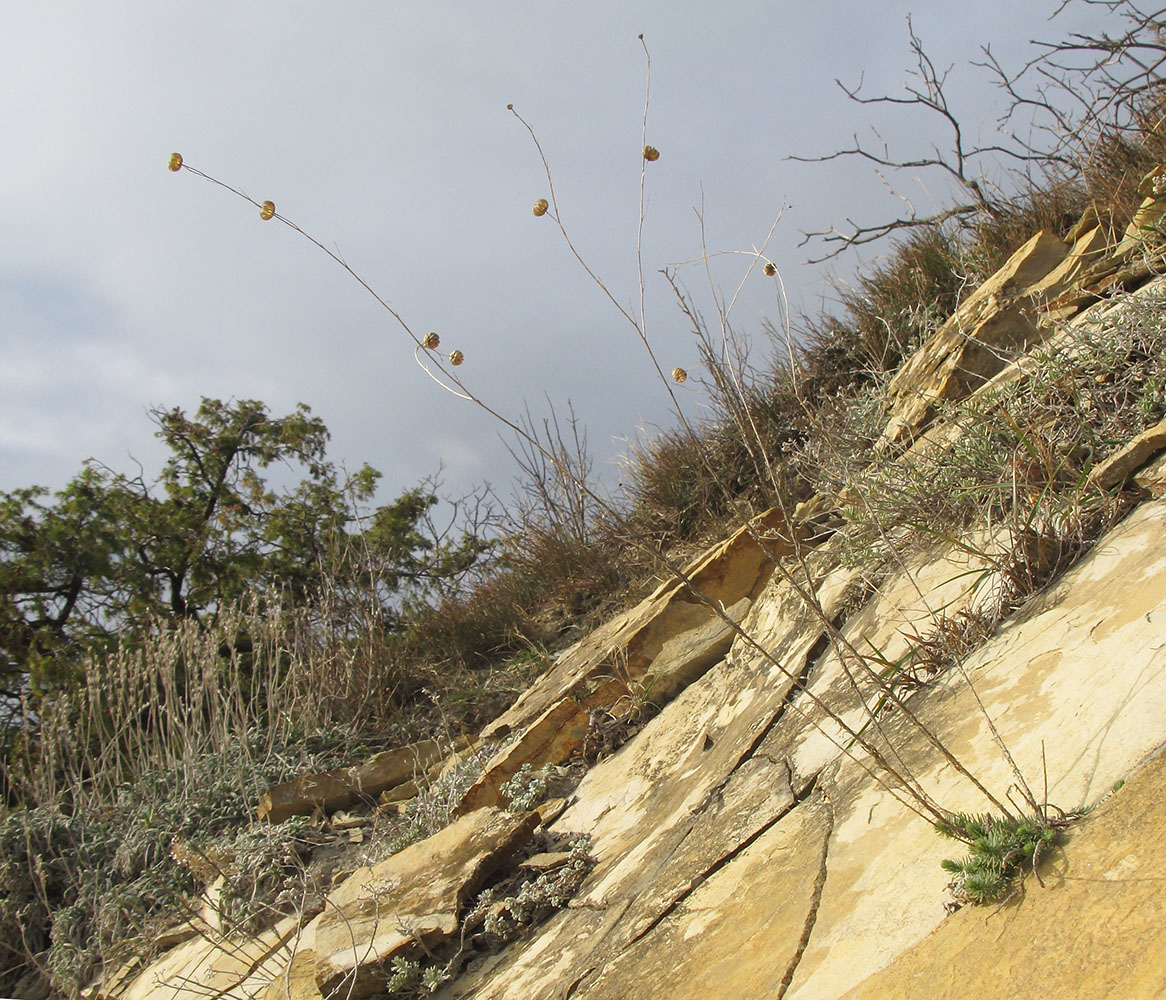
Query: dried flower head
point(175, 161)
point(679, 375)
point(651, 154)
point(430, 341)
point(769, 269)
point(267, 210)
point(456, 358)
point(541, 206)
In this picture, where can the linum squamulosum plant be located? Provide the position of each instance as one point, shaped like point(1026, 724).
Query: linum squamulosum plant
point(727, 363)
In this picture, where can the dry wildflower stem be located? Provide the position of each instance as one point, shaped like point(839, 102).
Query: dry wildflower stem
point(894, 777)
point(890, 776)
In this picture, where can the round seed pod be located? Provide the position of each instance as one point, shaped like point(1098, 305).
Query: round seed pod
point(175, 161)
point(770, 269)
point(267, 211)
point(541, 206)
point(679, 375)
point(456, 358)
point(430, 341)
point(651, 154)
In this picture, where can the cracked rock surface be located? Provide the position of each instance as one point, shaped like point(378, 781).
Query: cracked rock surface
point(744, 844)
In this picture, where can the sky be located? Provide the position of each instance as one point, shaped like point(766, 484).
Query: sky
point(382, 129)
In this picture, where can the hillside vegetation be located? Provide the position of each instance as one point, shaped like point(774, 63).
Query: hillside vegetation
point(173, 647)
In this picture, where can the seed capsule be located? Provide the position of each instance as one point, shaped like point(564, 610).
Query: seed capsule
point(456, 358)
point(430, 341)
point(175, 161)
point(770, 270)
point(679, 375)
point(267, 211)
point(541, 206)
point(651, 154)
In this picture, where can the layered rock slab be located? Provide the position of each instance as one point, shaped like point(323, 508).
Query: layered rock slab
point(1074, 681)
point(1000, 316)
point(671, 809)
point(740, 935)
point(1075, 685)
point(1095, 931)
point(214, 965)
point(411, 901)
point(344, 787)
point(648, 653)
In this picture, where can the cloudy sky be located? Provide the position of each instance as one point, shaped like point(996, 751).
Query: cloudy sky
point(381, 128)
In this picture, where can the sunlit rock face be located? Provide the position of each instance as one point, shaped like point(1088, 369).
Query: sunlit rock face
point(764, 827)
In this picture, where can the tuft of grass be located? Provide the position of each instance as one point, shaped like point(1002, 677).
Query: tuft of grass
point(888, 311)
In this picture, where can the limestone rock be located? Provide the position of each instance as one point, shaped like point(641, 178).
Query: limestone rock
point(297, 981)
point(734, 569)
point(344, 787)
point(551, 739)
point(412, 899)
point(210, 964)
point(715, 874)
point(1130, 458)
point(688, 654)
point(1095, 930)
point(1000, 316)
point(649, 652)
point(1137, 256)
point(739, 938)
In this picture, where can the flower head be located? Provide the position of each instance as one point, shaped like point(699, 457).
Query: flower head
point(430, 341)
point(456, 358)
point(267, 211)
point(651, 154)
point(541, 206)
point(679, 375)
point(175, 161)
point(769, 269)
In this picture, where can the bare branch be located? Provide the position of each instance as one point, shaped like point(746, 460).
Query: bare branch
point(1066, 100)
point(926, 92)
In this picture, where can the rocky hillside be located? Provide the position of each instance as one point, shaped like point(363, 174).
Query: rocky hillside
point(733, 788)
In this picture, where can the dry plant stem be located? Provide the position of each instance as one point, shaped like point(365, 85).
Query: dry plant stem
point(723, 312)
point(637, 325)
point(923, 802)
point(311, 239)
point(913, 789)
point(807, 594)
point(889, 690)
point(841, 644)
point(643, 184)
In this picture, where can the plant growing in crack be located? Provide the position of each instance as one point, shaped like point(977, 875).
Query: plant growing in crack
point(1000, 851)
